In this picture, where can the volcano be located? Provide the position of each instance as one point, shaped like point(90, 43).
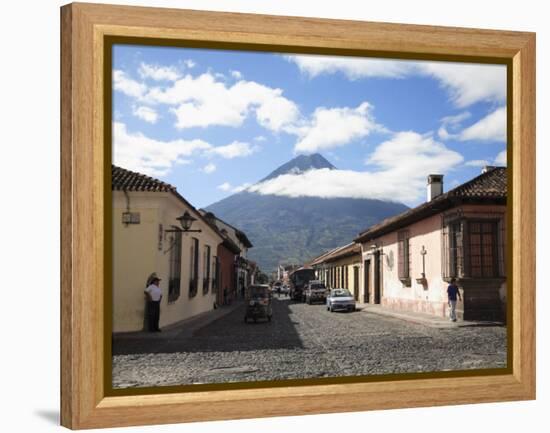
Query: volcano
point(292, 230)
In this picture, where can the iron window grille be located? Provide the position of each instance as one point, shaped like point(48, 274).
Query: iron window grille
point(174, 279)
point(206, 272)
point(194, 264)
point(473, 247)
point(404, 257)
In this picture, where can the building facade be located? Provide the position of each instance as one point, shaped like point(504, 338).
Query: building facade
point(341, 268)
point(237, 243)
point(409, 259)
point(148, 238)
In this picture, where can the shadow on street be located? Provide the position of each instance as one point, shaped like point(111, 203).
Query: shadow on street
point(227, 334)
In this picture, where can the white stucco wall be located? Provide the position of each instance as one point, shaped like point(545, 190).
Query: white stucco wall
point(138, 251)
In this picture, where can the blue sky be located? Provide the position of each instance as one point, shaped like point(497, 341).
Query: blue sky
point(213, 122)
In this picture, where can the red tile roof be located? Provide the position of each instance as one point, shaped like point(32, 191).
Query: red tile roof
point(337, 253)
point(488, 187)
point(126, 180)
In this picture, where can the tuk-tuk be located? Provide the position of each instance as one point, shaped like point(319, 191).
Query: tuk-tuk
point(258, 303)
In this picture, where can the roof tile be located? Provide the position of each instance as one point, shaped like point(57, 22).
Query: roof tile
point(126, 180)
point(491, 185)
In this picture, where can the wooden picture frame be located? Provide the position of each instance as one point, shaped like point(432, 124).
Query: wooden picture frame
point(85, 27)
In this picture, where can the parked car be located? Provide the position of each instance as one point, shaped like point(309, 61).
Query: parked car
point(340, 299)
point(285, 290)
point(316, 291)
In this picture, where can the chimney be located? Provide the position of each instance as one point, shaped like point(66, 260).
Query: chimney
point(435, 186)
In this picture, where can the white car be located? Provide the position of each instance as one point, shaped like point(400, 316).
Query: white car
point(340, 299)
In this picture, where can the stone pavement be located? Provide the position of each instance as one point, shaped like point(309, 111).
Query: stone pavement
point(422, 318)
point(302, 341)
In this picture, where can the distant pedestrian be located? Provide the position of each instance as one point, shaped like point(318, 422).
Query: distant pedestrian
point(225, 293)
point(452, 294)
point(154, 296)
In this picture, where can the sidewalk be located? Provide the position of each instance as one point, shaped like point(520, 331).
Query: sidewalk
point(421, 318)
point(184, 328)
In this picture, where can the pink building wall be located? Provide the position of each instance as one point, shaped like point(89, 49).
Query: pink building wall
point(430, 298)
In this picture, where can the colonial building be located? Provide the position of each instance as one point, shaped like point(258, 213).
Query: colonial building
point(148, 238)
point(341, 268)
point(409, 259)
point(235, 270)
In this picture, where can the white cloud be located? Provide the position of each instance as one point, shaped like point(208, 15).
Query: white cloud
point(456, 119)
point(135, 151)
point(353, 67)
point(195, 98)
point(444, 134)
point(204, 101)
point(466, 83)
point(209, 168)
point(501, 158)
point(260, 138)
point(158, 73)
point(128, 86)
point(146, 113)
point(401, 165)
point(236, 74)
point(477, 163)
point(189, 63)
point(236, 149)
point(333, 127)
point(414, 155)
point(453, 123)
point(226, 186)
point(242, 187)
point(491, 128)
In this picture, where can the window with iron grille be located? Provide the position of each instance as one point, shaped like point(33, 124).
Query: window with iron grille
point(215, 274)
point(174, 278)
point(194, 271)
point(403, 257)
point(206, 270)
point(473, 248)
point(453, 249)
point(483, 249)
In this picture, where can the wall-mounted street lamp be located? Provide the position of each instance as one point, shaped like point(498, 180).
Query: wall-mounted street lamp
point(186, 221)
point(376, 249)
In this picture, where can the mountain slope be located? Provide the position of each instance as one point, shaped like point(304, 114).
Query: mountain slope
point(294, 230)
point(300, 164)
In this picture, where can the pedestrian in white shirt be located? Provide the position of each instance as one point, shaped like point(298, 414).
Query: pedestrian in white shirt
point(154, 296)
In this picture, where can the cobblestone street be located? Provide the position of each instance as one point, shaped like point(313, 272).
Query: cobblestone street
point(302, 341)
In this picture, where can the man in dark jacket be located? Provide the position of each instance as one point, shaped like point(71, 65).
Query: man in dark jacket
point(452, 294)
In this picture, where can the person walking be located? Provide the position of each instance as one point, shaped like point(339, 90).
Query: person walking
point(452, 294)
point(154, 296)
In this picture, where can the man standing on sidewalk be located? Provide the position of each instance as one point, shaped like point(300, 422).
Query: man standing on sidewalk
point(452, 294)
point(154, 296)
